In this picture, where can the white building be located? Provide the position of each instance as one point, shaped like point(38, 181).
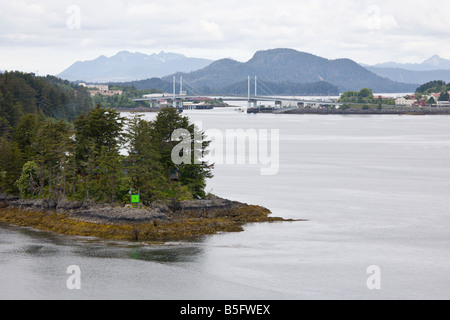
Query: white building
point(404, 102)
point(100, 87)
point(443, 103)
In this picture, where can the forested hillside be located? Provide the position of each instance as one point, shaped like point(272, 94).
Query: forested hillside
point(54, 145)
point(23, 93)
point(319, 88)
point(436, 86)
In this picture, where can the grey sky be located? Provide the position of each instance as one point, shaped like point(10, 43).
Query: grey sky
point(48, 36)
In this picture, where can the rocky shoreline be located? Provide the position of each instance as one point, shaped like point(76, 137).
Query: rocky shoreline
point(160, 221)
point(372, 111)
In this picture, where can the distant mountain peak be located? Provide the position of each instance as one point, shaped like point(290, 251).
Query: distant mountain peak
point(280, 52)
point(102, 57)
point(123, 52)
point(433, 63)
point(130, 66)
point(282, 56)
point(435, 60)
point(292, 66)
point(276, 51)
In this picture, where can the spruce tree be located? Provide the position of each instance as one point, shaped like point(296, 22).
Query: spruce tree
point(193, 174)
point(99, 138)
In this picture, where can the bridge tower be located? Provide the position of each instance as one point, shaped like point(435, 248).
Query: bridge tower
point(182, 93)
point(177, 102)
point(252, 102)
point(248, 104)
point(181, 85)
point(174, 89)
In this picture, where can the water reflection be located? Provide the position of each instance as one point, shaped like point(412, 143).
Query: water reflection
point(39, 251)
point(29, 242)
point(182, 252)
point(9, 232)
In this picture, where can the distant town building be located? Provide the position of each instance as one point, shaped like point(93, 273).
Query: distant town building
point(102, 89)
point(443, 103)
point(421, 102)
point(99, 87)
point(106, 93)
point(382, 97)
point(436, 96)
point(404, 102)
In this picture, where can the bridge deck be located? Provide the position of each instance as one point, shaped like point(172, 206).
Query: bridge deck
point(242, 98)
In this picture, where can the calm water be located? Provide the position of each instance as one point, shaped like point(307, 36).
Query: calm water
point(376, 191)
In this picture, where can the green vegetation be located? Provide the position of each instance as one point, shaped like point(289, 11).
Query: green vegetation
point(55, 149)
point(54, 152)
point(125, 100)
point(150, 158)
point(32, 109)
point(444, 96)
point(364, 98)
point(433, 87)
point(437, 86)
point(22, 94)
point(431, 101)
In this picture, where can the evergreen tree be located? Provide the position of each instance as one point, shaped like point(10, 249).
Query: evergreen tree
point(431, 100)
point(111, 184)
point(99, 128)
point(25, 134)
point(143, 163)
point(41, 156)
point(22, 93)
point(431, 87)
point(53, 147)
point(28, 182)
point(10, 166)
point(98, 134)
point(444, 96)
point(194, 173)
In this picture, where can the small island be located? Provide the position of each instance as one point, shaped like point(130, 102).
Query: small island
point(175, 221)
point(75, 169)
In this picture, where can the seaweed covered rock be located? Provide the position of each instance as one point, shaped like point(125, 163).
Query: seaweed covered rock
point(159, 221)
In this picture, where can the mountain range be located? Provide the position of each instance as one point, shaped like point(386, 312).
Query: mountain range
point(291, 66)
point(411, 76)
point(321, 88)
point(281, 71)
point(435, 68)
point(128, 66)
point(434, 63)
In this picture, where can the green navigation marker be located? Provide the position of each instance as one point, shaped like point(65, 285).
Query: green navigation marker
point(135, 198)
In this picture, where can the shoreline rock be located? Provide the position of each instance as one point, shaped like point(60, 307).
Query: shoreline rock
point(384, 111)
point(160, 221)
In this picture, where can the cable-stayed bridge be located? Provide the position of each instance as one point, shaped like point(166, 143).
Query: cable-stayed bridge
point(253, 100)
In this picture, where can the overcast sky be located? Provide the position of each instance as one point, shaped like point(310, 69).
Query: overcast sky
point(48, 36)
